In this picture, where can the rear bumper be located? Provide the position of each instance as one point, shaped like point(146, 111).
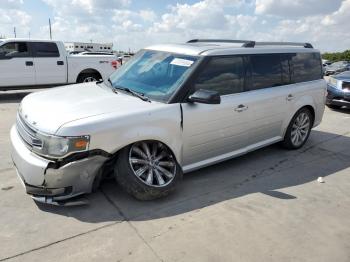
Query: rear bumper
point(337, 97)
point(44, 179)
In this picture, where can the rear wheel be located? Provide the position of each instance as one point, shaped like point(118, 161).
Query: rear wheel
point(298, 130)
point(89, 77)
point(147, 170)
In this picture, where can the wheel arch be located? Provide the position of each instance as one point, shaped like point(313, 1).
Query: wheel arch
point(88, 71)
point(303, 103)
point(173, 150)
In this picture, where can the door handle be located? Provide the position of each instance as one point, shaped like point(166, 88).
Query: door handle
point(60, 63)
point(29, 63)
point(241, 108)
point(290, 97)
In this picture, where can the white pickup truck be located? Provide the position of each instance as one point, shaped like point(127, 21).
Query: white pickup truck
point(35, 63)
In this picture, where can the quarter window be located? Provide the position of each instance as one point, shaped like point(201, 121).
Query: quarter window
point(43, 49)
point(14, 49)
point(222, 74)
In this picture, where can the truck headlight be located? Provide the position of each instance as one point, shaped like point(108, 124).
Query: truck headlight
point(55, 146)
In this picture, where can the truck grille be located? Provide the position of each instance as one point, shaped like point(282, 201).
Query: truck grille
point(27, 134)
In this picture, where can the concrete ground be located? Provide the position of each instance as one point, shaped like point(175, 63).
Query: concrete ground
point(265, 206)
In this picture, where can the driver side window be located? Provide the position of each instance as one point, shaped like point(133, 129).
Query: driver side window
point(222, 74)
point(14, 49)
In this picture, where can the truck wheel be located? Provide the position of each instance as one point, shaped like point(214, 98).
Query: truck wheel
point(147, 170)
point(85, 78)
point(298, 130)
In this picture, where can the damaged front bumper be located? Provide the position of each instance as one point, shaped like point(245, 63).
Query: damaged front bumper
point(49, 181)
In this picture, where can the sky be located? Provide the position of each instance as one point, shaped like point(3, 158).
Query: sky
point(133, 24)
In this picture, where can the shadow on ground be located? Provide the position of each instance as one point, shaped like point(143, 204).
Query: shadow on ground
point(342, 110)
point(267, 171)
point(12, 97)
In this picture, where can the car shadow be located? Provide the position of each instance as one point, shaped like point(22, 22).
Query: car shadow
point(341, 110)
point(12, 97)
point(268, 171)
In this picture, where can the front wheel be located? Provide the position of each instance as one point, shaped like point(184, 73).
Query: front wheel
point(147, 170)
point(298, 130)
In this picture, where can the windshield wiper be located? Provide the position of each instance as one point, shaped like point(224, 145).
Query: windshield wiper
point(110, 81)
point(139, 95)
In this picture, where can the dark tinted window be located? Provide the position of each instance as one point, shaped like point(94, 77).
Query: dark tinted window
point(306, 67)
point(222, 74)
point(266, 71)
point(14, 49)
point(286, 72)
point(42, 49)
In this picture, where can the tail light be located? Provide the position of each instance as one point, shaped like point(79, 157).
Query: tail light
point(114, 64)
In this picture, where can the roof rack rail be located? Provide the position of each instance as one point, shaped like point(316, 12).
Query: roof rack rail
point(249, 43)
point(246, 43)
point(306, 45)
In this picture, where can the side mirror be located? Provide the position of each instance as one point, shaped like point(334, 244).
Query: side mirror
point(205, 97)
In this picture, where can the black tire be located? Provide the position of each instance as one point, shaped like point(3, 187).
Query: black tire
point(287, 141)
point(84, 77)
point(127, 179)
point(334, 106)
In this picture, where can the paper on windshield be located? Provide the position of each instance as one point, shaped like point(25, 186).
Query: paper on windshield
point(181, 62)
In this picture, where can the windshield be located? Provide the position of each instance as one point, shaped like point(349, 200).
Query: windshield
point(154, 74)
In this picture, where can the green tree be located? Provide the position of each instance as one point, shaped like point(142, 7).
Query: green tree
point(337, 56)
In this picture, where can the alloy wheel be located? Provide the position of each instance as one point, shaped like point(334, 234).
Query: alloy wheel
point(152, 163)
point(300, 129)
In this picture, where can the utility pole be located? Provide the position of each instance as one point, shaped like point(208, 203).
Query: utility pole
point(50, 29)
point(14, 31)
point(29, 34)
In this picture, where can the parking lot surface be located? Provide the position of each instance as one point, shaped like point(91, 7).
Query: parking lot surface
point(264, 206)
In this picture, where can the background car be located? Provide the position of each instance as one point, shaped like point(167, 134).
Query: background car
point(337, 67)
point(339, 90)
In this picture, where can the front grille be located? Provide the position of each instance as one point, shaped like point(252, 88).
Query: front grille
point(346, 85)
point(28, 135)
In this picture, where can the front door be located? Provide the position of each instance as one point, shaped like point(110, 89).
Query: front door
point(215, 132)
point(16, 65)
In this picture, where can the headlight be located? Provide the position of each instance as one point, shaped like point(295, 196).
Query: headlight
point(55, 146)
point(333, 81)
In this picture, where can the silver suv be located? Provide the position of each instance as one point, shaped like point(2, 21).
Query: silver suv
point(171, 109)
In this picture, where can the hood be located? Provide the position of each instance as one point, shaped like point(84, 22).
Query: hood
point(343, 76)
point(48, 110)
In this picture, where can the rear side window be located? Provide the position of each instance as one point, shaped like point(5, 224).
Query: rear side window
point(266, 71)
point(14, 49)
point(43, 49)
point(306, 67)
point(222, 74)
